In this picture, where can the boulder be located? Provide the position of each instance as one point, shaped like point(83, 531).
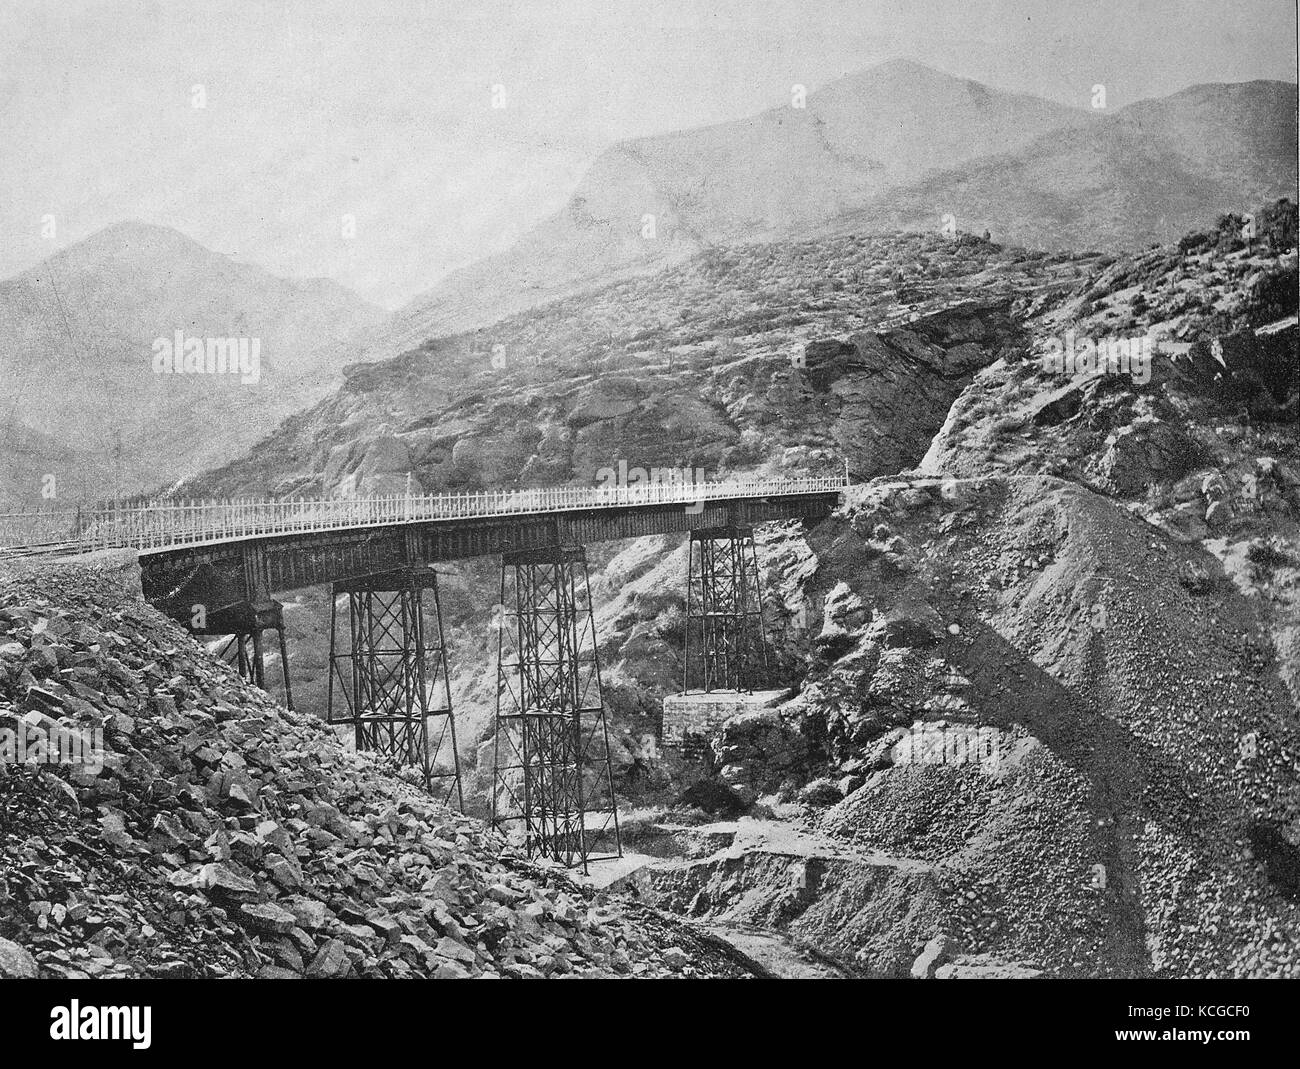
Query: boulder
point(15, 962)
point(911, 622)
point(821, 792)
point(1148, 451)
point(267, 917)
point(934, 955)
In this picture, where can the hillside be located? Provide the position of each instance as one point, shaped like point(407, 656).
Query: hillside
point(78, 356)
point(704, 350)
point(1111, 821)
point(225, 836)
point(1008, 502)
point(1067, 640)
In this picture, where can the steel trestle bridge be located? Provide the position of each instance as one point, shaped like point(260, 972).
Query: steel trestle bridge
point(213, 566)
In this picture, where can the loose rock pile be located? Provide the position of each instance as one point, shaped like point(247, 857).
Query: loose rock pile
point(1143, 812)
point(225, 836)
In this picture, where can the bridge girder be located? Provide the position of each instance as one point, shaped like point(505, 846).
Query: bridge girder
point(175, 579)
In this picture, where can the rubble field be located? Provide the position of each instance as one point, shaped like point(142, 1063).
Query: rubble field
point(227, 836)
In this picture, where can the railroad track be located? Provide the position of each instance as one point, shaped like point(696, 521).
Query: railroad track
point(41, 549)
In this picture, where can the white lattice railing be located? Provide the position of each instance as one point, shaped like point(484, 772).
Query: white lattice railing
point(161, 524)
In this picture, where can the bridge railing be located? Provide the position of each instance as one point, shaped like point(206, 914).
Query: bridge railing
point(174, 523)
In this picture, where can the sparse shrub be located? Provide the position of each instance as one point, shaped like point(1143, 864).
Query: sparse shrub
point(1267, 555)
point(1277, 225)
point(1281, 857)
point(712, 796)
point(1273, 296)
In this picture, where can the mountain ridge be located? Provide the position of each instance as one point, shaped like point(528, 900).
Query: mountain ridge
point(710, 189)
point(79, 333)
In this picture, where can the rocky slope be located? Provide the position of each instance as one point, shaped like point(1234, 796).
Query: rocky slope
point(1206, 450)
point(225, 836)
point(1033, 730)
point(705, 365)
point(1049, 719)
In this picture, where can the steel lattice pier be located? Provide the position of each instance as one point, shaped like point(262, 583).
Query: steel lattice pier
point(390, 668)
point(726, 644)
point(552, 776)
point(244, 626)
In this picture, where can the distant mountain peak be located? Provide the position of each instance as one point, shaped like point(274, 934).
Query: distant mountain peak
point(130, 242)
point(82, 327)
point(899, 68)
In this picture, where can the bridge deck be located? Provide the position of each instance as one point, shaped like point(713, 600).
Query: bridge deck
point(165, 525)
point(222, 554)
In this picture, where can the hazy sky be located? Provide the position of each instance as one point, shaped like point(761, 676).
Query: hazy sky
point(382, 109)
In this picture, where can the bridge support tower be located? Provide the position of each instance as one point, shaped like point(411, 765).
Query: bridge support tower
point(388, 677)
point(726, 646)
point(245, 625)
point(553, 778)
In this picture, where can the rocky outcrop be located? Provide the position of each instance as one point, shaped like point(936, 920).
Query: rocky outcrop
point(882, 396)
point(871, 914)
point(15, 962)
point(698, 365)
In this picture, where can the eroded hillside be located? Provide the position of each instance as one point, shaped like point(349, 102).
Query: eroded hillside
point(1033, 729)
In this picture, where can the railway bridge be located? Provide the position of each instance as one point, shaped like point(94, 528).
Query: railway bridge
point(216, 566)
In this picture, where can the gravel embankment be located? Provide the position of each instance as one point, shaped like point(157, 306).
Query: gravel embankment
point(225, 836)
